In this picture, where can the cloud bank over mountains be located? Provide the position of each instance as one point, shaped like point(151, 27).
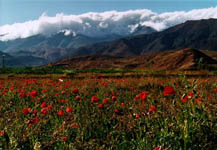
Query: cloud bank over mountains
point(101, 24)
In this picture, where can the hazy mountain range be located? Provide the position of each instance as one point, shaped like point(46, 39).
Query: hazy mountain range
point(43, 49)
point(40, 49)
point(200, 34)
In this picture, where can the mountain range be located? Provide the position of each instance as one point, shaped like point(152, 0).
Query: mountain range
point(200, 34)
point(40, 49)
point(45, 49)
point(184, 59)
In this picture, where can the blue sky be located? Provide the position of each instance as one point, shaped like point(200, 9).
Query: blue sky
point(12, 11)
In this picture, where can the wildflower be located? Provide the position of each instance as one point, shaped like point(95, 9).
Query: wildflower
point(34, 112)
point(69, 109)
point(114, 98)
point(26, 111)
point(33, 93)
point(122, 104)
point(116, 111)
point(77, 98)
point(43, 105)
point(63, 101)
point(100, 106)
point(60, 113)
point(106, 100)
point(157, 148)
point(137, 116)
point(184, 99)
point(35, 120)
point(152, 109)
point(188, 96)
point(43, 91)
point(143, 96)
point(44, 111)
point(64, 138)
point(63, 92)
point(168, 91)
point(94, 99)
point(49, 107)
point(75, 90)
point(2, 133)
point(23, 95)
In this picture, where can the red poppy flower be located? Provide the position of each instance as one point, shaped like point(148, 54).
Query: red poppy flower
point(64, 138)
point(49, 107)
point(43, 105)
point(77, 98)
point(137, 116)
point(2, 133)
point(106, 100)
point(100, 106)
point(69, 109)
point(26, 111)
point(114, 98)
point(187, 97)
point(63, 92)
point(168, 91)
point(152, 109)
point(34, 111)
point(60, 113)
point(44, 111)
point(33, 93)
point(43, 91)
point(116, 111)
point(23, 95)
point(157, 148)
point(63, 101)
point(94, 99)
point(143, 96)
point(190, 95)
point(35, 120)
point(75, 90)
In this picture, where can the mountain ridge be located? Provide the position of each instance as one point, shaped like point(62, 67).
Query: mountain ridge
point(184, 59)
point(199, 34)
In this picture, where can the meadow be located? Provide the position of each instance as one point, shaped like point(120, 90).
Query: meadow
point(112, 110)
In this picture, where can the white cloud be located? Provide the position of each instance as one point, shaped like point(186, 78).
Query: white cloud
point(99, 24)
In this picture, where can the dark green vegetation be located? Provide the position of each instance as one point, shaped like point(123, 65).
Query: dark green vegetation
point(32, 70)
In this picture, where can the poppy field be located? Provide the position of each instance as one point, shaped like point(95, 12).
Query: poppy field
point(96, 113)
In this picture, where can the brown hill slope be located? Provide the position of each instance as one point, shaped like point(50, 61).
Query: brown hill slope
point(170, 60)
